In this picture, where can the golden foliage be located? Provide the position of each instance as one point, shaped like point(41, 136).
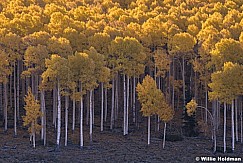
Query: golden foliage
point(33, 113)
point(191, 107)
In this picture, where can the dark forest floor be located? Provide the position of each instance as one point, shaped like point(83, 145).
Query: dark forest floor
point(108, 146)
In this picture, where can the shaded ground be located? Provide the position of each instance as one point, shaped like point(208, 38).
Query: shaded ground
point(109, 146)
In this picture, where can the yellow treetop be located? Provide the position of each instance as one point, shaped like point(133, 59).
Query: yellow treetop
point(191, 107)
point(32, 108)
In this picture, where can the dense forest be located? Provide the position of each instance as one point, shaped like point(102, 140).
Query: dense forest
point(66, 64)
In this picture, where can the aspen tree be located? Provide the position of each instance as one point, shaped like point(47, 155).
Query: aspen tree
point(33, 113)
point(148, 97)
point(164, 111)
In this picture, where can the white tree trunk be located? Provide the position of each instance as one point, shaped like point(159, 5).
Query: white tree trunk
point(87, 108)
point(34, 139)
point(66, 119)
point(102, 108)
point(93, 111)
point(58, 115)
point(43, 118)
point(18, 83)
point(214, 124)
point(105, 104)
point(125, 104)
point(164, 135)
point(44, 115)
point(158, 120)
point(10, 92)
point(236, 120)
point(127, 108)
point(148, 130)
point(15, 102)
point(225, 117)
point(233, 126)
point(81, 119)
point(116, 108)
point(90, 118)
point(33, 134)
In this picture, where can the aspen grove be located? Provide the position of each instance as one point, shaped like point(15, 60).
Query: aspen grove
point(108, 63)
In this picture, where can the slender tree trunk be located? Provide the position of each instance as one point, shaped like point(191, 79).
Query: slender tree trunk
point(81, 119)
point(105, 104)
point(158, 120)
point(87, 107)
point(225, 114)
point(214, 125)
point(127, 108)
point(74, 110)
point(33, 134)
point(10, 92)
point(66, 119)
point(102, 108)
point(164, 136)
point(90, 118)
point(112, 103)
point(15, 102)
point(116, 98)
point(148, 130)
point(233, 126)
point(236, 120)
point(42, 118)
point(58, 115)
point(124, 102)
point(5, 107)
point(131, 97)
point(93, 111)
point(18, 83)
